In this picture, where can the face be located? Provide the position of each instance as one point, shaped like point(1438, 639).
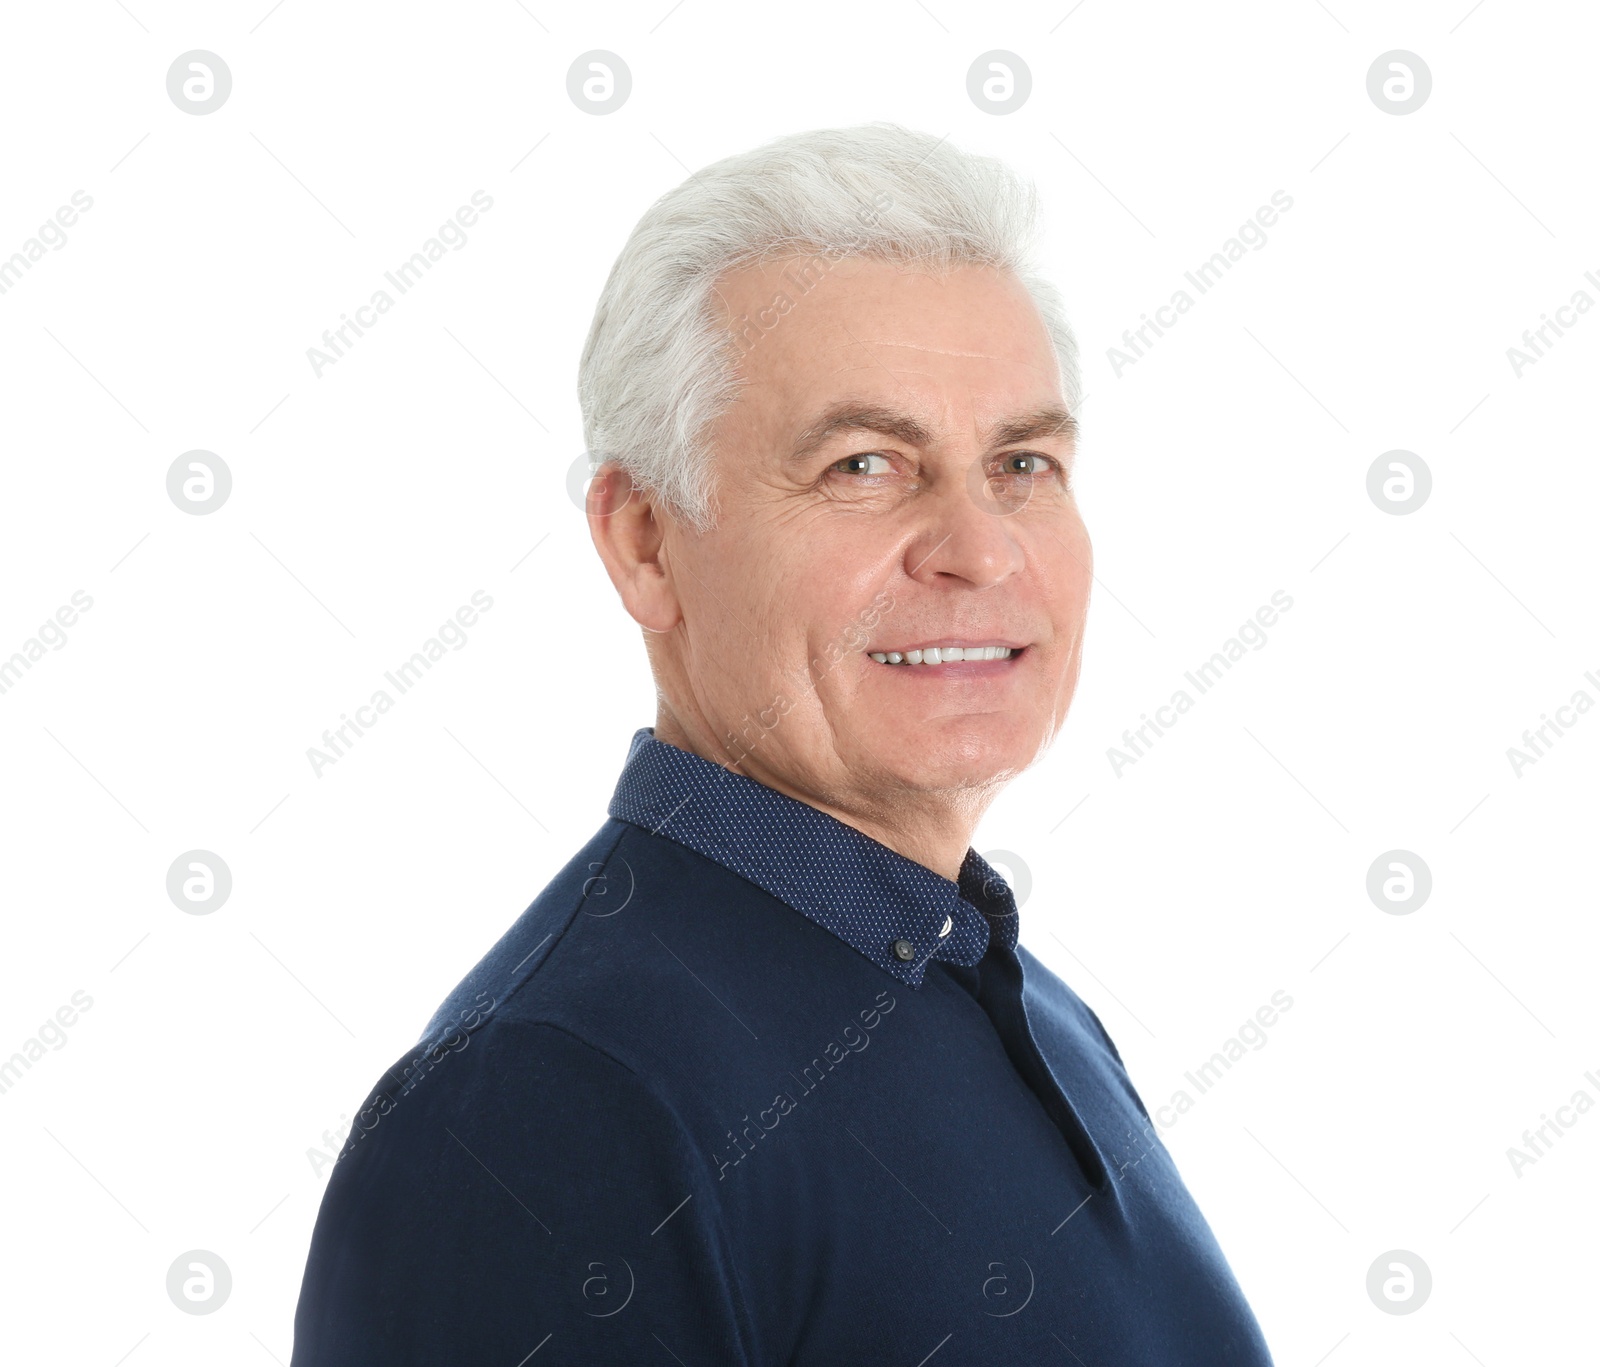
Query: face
point(893, 479)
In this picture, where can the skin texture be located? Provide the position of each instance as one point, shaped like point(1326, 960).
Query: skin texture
point(759, 631)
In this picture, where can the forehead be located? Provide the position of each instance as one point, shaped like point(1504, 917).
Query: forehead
point(956, 345)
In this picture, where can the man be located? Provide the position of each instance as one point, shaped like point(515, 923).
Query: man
point(764, 1075)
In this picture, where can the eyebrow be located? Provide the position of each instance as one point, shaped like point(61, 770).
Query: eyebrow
point(1050, 421)
point(849, 416)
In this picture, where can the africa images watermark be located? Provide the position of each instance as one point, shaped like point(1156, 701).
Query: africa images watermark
point(384, 1100)
point(803, 276)
point(336, 743)
point(852, 640)
point(52, 1033)
point(744, 1143)
point(1537, 741)
point(50, 633)
point(1252, 233)
point(1537, 341)
point(1202, 1079)
point(336, 342)
point(1250, 1037)
point(51, 234)
point(1538, 1141)
point(1136, 743)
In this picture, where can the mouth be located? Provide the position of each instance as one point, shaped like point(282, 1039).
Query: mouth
point(960, 656)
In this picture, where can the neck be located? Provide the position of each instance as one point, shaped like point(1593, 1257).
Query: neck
point(931, 829)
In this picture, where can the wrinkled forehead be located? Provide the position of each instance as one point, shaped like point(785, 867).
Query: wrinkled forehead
point(952, 349)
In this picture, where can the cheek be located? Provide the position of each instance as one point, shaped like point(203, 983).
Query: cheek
point(1075, 559)
point(1065, 572)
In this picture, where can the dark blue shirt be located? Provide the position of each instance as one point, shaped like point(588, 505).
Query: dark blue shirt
point(744, 1086)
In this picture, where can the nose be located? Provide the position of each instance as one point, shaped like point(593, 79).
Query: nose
point(963, 536)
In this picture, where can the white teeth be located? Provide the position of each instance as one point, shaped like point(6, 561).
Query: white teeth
point(943, 655)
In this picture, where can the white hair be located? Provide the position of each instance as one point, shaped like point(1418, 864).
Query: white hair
point(659, 366)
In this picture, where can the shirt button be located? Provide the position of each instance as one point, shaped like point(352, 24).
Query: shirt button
point(904, 950)
point(945, 929)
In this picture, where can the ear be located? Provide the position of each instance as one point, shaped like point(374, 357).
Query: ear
point(629, 533)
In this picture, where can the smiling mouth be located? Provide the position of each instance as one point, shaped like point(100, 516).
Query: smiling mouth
point(943, 655)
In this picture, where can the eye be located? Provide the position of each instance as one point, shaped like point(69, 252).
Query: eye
point(1028, 463)
point(860, 460)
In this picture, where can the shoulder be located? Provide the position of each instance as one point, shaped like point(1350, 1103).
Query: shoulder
point(511, 1082)
point(520, 1173)
point(1071, 1034)
point(650, 953)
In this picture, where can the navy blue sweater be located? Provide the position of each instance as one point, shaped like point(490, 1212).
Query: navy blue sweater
point(744, 1086)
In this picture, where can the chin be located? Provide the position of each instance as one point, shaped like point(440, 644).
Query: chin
point(958, 752)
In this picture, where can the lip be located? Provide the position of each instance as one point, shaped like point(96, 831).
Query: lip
point(955, 671)
point(940, 643)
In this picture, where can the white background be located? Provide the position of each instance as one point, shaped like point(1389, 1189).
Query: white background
point(370, 502)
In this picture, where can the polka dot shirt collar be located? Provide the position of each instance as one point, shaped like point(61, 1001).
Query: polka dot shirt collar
point(894, 911)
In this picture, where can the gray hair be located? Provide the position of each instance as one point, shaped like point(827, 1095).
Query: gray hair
point(659, 366)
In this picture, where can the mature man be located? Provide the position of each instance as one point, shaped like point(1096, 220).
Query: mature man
point(764, 1075)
